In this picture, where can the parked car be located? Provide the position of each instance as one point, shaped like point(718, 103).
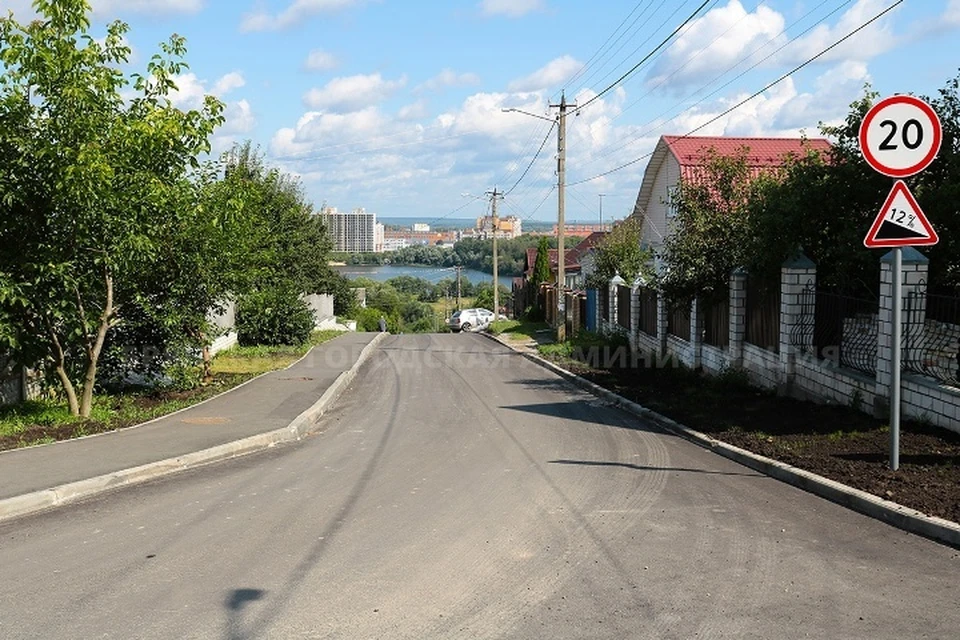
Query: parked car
point(470, 320)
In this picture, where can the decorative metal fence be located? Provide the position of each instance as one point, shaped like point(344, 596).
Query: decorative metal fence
point(838, 328)
point(932, 335)
point(648, 311)
point(762, 317)
point(623, 307)
point(678, 321)
point(716, 320)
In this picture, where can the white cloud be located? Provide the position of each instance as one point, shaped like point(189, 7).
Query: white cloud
point(297, 12)
point(555, 72)
point(320, 60)
point(414, 111)
point(352, 92)
point(511, 8)
point(229, 82)
point(239, 118)
point(866, 44)
point(449, 78)
point(714, 43)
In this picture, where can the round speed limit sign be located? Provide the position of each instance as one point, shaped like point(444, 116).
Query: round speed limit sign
point(900, 136)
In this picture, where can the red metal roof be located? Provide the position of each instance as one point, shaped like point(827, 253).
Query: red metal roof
point(762, 153)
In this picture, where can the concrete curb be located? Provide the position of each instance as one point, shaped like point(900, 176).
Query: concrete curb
point(71, 492)
point(868, 504)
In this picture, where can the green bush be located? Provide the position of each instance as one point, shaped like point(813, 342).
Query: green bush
point(273, 317)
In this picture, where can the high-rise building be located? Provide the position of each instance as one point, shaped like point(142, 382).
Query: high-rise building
point(353, 232)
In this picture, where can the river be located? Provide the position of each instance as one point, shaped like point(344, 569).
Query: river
point(431, 274)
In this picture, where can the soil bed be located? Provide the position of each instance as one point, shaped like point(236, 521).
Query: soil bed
point(836, 442)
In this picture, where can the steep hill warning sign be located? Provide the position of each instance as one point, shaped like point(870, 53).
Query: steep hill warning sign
point(900, 222)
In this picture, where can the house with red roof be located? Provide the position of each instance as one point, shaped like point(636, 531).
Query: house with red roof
point(677, 157)
point(574, 257)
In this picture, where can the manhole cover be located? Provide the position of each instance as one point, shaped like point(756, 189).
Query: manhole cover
point(206, 420)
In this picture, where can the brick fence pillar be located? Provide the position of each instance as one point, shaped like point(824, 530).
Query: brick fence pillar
point(738, 316)
point(913, 287)
point(696, 334)
point(797, 275)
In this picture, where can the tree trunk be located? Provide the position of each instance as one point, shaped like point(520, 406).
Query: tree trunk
point(207, 364)
point(62, 374)
point(93, 352)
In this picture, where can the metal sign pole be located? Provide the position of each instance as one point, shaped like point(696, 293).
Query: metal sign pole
point(896, 354)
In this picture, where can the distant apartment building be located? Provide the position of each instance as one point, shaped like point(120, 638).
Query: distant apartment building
point(509, 227)
point(353, 232)
point(421, 227)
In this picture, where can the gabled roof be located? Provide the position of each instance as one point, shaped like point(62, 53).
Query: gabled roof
point(585, 245)
point(692, 152)
point(570, 260)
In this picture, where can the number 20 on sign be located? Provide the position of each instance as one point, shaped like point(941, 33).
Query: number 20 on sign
point(900, 136)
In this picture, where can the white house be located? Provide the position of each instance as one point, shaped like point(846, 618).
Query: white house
point(678, 157)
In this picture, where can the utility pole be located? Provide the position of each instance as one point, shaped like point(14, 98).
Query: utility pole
point(561, 224)
point(601, 211)
point(458, 286)
point(494, 196)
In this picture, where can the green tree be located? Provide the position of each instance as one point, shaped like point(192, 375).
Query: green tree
point(712, 230)
point(541, 266)
point(87, 178)
point(620, 252)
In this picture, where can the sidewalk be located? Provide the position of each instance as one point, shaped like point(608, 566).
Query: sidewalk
point(277, 406)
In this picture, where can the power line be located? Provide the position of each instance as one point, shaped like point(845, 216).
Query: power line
point(645, 58)
point(754, 95)
point(534, 159)
point(599, 51)
point(726, 84)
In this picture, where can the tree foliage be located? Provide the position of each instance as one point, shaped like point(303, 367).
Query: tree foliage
point(620, 252)
point(89, 179)
point(541, 266)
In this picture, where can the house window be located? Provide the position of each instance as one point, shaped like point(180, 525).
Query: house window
point(671, 201)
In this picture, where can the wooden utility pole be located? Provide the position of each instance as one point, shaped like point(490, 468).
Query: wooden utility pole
point(561, 224)
point(458, 287)
point(494, 196)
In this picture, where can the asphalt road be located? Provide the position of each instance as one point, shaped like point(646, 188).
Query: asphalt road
point(459, 491)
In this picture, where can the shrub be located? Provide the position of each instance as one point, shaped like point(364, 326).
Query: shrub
point(273, 317)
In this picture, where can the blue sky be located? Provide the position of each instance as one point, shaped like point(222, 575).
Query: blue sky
point(396, 106)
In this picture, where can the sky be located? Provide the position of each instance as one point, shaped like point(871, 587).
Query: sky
point(396, 106)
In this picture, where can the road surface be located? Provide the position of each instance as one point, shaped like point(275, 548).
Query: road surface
point(458, 490)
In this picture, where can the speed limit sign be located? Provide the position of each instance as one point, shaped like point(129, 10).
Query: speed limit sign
point(900, 136)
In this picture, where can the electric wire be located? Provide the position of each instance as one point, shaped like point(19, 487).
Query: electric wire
point(752, 96)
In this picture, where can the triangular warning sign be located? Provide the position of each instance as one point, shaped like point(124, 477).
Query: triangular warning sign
point(900, 222)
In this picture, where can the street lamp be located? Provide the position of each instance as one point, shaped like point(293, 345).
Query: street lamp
point(561, 121)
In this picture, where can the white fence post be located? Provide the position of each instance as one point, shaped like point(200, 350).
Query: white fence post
point(796, 275)
point(738, 315)
point(915, 266)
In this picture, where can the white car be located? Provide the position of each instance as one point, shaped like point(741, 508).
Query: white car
point(470, 320)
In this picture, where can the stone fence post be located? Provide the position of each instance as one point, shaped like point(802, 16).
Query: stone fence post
point(738, 316)
point(913, 284)
point(796, 275)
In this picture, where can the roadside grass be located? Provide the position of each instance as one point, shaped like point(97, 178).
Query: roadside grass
point(49, 420)
point(519, 329)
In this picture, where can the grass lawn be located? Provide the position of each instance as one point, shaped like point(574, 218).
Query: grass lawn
point(522, 330)
point(44, 421)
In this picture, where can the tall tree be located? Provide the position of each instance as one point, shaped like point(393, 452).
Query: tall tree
point(87, 179)
point(620, 252)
